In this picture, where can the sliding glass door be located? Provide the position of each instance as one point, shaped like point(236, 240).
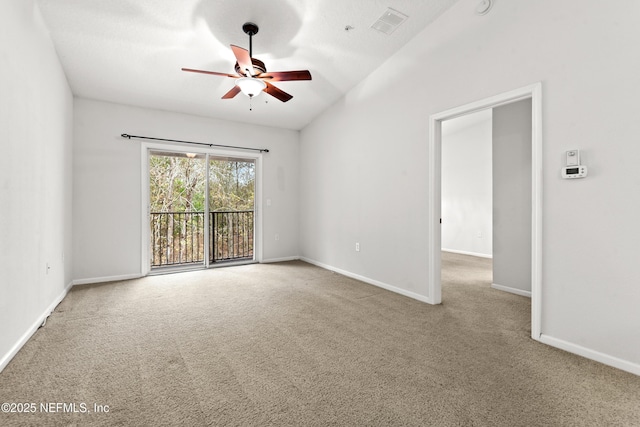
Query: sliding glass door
point(201, 209)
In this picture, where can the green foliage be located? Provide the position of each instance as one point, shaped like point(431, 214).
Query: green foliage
point(177, 184)
point(231, 185)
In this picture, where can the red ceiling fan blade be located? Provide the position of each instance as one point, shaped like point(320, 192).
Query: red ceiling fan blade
point(233, 92)
point(277, 93)
point(215, 73)
point(282, 76)
point(252, 70)
point(244, 60)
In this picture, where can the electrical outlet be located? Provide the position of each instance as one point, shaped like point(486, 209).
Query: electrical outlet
point(357, 247)
point(479, 234)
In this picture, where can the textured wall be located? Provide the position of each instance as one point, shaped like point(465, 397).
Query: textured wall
point(36, 109)
point(364, 162)
point(466, 184)
point(107, 182)
point(512, 195)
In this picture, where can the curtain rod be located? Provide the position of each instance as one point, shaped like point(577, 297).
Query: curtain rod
point(261, 150)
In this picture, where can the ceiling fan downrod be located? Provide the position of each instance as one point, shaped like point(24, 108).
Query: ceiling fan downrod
point(251, 29)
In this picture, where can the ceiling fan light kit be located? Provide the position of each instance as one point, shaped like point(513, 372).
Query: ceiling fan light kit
point(252, 77)
point(251, 86)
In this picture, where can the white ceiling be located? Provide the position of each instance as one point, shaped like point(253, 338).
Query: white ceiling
point(132, 51)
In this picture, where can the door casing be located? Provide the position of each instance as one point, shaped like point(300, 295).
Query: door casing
point(533, 92)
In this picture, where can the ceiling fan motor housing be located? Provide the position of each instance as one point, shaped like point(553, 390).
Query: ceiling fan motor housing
point(258, 67)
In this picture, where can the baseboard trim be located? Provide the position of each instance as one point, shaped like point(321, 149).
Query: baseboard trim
point(454, 251)
point(606, 359)
point(4, 361)
point(368, 280)
point(285, 259)
point(105, 279)
point(511, 290)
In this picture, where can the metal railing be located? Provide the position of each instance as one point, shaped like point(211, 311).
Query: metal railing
point(232, 236)
point(177, 238)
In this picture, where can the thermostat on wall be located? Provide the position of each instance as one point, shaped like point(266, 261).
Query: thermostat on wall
point(570, 172)
point(573, 168)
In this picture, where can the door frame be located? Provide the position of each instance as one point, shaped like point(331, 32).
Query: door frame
point(145, 235)
point(533, 92)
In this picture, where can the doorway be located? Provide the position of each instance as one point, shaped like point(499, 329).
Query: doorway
point(467, 207)
point(532, 92)
point(200, 211)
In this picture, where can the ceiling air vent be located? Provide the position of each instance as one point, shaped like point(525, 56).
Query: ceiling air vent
point(389, 21)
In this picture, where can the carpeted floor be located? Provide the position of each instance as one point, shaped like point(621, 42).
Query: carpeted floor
point(294, 345)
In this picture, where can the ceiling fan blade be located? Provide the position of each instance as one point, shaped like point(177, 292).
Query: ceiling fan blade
point(215, 73)
point(282, 76)
point(233, 92)
point(244, 60)
point(277, 93)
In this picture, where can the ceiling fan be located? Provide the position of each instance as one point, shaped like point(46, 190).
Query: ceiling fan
point(252, 76)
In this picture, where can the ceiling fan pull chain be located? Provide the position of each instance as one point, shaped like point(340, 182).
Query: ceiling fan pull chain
point(250, 99)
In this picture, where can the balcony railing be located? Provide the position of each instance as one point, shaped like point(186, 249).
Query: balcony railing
point(177, 238)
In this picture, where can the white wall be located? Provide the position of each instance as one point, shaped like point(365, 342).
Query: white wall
point(364, 161)
point(107, 182)
point(35, 175)
point(512, 196)
point(466, 184)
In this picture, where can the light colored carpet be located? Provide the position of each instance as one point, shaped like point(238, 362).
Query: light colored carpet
point(294, 345)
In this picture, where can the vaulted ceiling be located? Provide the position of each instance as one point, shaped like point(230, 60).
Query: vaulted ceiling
point(132, 51)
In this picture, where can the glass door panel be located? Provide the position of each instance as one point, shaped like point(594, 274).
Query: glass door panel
point(176, 209)
point(231, 209)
